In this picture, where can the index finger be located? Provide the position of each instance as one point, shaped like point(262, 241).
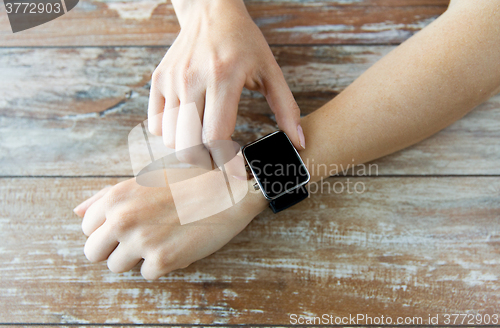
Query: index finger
point(219, 122)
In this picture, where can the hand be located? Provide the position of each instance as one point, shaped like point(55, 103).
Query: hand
point(219, 51)
point(128, 222)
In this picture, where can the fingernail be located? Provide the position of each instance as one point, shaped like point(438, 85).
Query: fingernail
point(239, 177)
point(302, 139)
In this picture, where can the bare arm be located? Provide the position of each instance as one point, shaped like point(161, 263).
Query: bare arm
point(428, 82)
point(422, 86)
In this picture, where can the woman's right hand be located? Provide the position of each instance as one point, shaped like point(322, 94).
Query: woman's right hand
point(218, 51)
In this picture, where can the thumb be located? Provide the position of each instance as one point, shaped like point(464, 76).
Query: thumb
point(284, 107)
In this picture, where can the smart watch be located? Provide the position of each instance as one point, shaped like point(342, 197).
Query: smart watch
point(279, 172)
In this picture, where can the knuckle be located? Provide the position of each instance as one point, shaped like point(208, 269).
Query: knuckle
point(149, 275)
point(143, 239)
point(162, 76)
point(188, 74)
point(149, 272)
point(114, 267)
point(120, 221)
point(156, 269)
point(86, 228)
point(187, 78)
point(220, 68)
point(115, 195)
point(167, 260)
point(90, 254)
point(156, 77)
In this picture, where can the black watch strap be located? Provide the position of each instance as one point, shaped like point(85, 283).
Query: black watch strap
point(289, 199)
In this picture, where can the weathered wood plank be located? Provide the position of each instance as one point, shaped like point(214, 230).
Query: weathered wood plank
point(107, 22)
point(68, 111)
point(404, 247)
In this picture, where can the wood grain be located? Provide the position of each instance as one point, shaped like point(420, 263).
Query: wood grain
point(68, 111)
point(107, 22)
point(404, 247)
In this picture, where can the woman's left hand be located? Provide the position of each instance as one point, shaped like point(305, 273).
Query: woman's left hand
point(129, 222)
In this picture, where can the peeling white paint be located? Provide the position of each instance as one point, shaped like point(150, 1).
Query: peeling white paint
point(138, 10)
point(255, 311)
point(229, 293)
point(467, 265)
point(381, 36)
point(475, 278)
point(398, 287)
point(494, 261)
point(315, 28)
point(377, 27)
point(382, 31)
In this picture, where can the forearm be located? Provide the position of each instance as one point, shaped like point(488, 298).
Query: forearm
point(425, 84)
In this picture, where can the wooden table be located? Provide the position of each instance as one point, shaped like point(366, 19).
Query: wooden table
point(422, 240)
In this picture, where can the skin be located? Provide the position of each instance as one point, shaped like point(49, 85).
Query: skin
point(210, 69)
point(422, 86)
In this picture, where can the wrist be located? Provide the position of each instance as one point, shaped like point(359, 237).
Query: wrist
point(254, 202)
point(216, 9)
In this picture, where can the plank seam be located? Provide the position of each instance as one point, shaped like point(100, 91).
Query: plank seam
point(333, 176)
point(277, 45)
point(211, 325)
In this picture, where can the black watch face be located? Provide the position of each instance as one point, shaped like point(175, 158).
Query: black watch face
point(276, 164)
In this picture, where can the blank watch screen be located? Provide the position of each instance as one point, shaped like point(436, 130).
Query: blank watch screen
point(276, 164)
